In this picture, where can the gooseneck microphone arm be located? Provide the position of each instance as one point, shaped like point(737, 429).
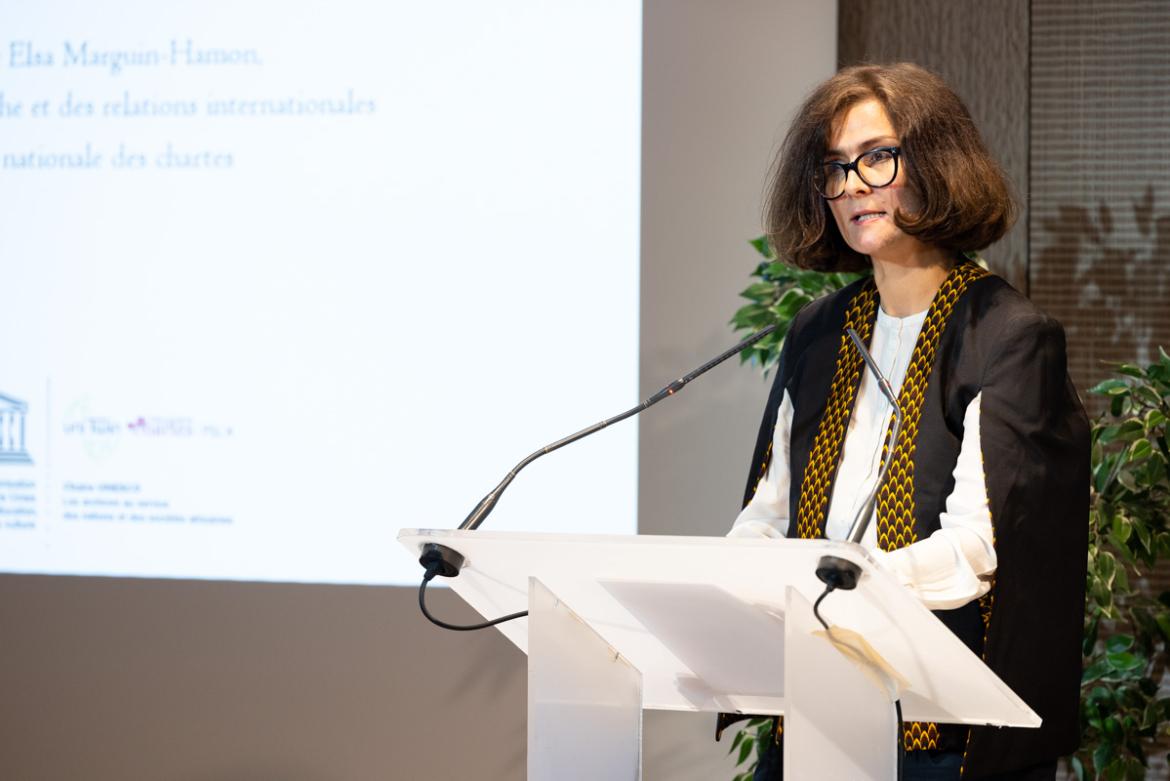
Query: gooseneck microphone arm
point(834, 571)
point(485, 506)
point(865, 514)
point(442, 560)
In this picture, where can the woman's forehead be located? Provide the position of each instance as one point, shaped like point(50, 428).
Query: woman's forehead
point(859, 126)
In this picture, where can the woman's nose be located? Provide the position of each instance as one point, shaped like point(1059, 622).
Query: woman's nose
point(854, 183)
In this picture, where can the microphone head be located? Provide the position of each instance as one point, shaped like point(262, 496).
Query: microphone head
point(838, 573)
point(445, 561)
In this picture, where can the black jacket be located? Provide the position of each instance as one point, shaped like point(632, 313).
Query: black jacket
point(1035, 442)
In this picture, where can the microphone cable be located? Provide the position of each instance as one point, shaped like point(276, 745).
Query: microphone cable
point(433, 570)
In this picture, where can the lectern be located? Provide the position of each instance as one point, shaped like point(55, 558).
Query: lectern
point(618, 624)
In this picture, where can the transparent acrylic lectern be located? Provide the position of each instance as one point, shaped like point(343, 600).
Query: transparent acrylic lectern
point(617, 624)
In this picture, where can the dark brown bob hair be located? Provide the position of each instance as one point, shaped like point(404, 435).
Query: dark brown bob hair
point(966, 200)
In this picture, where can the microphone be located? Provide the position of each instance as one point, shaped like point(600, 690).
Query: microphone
point(446, 561)
point(442, 560)
point(834, 571)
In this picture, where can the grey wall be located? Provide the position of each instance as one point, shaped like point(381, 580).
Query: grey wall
point(721, 82)
point(191, 681)
point(188, 681)
point(720, 89)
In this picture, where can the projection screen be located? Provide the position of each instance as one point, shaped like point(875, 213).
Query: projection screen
point(281, 279)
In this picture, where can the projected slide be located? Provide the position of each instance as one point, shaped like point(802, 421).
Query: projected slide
point(281, 279)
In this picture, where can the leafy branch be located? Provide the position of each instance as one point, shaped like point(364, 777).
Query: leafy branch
point(750, 743)
point(780, 293)
point(1126, 628)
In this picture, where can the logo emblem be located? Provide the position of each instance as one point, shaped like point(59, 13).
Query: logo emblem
point(13, 413)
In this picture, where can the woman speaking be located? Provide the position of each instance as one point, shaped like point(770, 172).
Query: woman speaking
point(983, 513)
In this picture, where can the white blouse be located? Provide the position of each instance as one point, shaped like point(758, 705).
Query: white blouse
point(947, 569)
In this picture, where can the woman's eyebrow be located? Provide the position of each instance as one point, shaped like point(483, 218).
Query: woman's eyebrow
point(865, 146)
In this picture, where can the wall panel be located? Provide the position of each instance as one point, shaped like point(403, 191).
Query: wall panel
point(1100, 229)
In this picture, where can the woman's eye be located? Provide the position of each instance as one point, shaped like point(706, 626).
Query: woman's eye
point(878, 156)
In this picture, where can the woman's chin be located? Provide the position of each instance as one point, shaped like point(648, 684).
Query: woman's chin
point(886, 246)
point(868, 246)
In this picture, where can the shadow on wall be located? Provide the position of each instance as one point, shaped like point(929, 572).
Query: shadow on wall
point(1119, 261)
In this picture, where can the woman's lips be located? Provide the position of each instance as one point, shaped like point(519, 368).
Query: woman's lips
point(864, 217)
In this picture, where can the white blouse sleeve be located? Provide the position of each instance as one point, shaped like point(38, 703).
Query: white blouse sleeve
point(954, 565)
point(766, 515)
point(946, 570)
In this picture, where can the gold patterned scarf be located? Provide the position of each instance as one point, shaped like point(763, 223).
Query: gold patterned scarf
point(895, 506)
point(895, 500)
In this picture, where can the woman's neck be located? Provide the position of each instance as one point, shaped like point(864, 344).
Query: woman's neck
point(907, 288)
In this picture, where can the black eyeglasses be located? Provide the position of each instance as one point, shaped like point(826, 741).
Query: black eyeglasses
point(877, 168)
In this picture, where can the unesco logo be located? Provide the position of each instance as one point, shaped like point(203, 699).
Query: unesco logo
point(13, 413)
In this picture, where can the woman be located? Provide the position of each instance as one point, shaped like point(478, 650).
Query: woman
point(983, 514)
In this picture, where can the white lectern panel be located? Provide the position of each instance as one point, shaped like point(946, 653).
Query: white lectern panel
point(737, 589)
point(822, 738)
point(584, 699)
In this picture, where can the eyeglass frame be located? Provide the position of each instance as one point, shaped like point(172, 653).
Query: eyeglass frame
point(896, 151)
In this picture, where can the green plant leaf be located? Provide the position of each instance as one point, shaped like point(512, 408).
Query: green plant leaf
point(1107, 434)
point(1111, 387)
point(1124, 661)
point(1092, 626)
point(1118, 643)
point(1099, 697)
point(750, 316)
point(1163, 621)
point(745, 750)
point(763, 247)
point(1140, 450)
point(1102, 472)
point(1147, 395)
point(1102, 755)
point(777, 272)
point(1150, 716)
point(1128, 431)
point(759, 291)
point(790, 303)
point(1095, 671)
point(1121, 580)
point(1122, 527)
point(1106, 566)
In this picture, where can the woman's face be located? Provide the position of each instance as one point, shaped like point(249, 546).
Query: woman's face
point(865, 214)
